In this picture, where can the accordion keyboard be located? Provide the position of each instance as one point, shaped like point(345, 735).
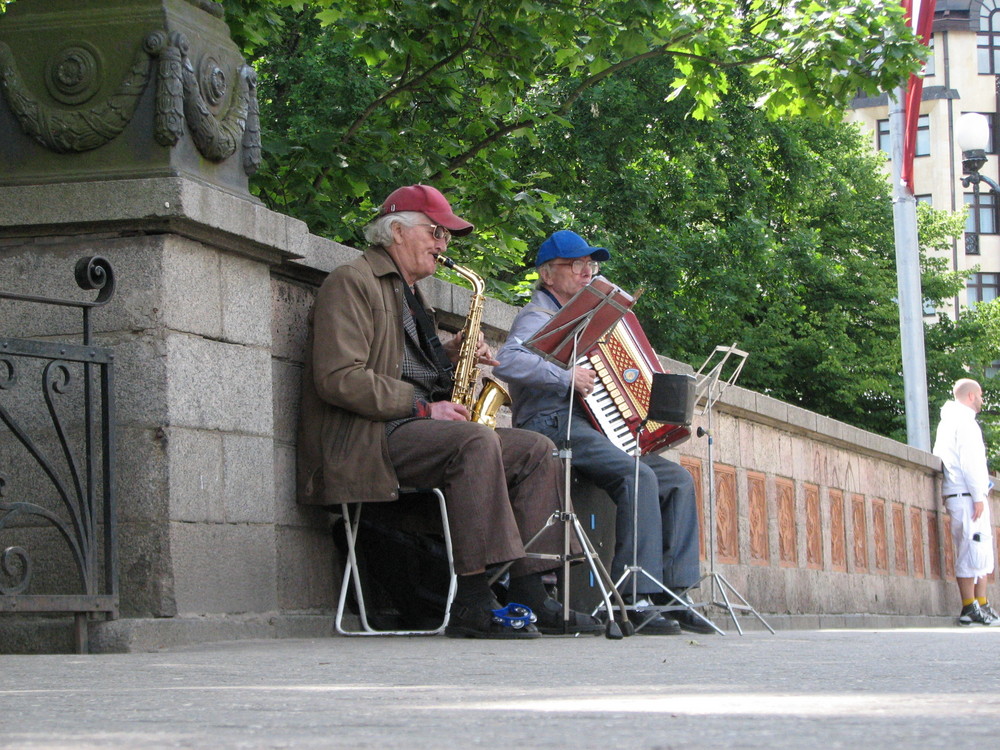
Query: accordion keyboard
point(604, 407)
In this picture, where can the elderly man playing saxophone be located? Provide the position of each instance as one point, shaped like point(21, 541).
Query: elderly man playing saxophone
point(377, 414)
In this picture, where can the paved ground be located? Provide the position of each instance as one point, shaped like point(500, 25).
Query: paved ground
point(933, 688)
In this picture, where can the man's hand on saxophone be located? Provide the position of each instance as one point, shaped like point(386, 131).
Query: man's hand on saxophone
point(484, 355)
point(449, 411)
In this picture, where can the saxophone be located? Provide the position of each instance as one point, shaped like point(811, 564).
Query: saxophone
point(493, 395)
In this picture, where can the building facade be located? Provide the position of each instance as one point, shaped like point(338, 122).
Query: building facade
point(962, 75)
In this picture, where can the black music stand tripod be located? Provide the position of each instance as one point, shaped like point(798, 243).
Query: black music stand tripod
point(671, 400)
point(614, 629)
point(711, 385)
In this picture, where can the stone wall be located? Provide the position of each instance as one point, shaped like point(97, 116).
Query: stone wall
point(816, 522)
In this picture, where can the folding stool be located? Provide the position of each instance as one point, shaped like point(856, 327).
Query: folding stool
point(352, 573)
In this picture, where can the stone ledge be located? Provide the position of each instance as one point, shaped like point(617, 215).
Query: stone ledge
point(55, 635)
point(147, 634)
point(836, 622)
point(166, 204)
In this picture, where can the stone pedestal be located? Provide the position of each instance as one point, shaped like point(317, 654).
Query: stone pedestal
point(121, 89)
point(191, 326)
point(128, 129)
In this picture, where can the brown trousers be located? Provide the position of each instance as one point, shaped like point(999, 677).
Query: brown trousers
point(500, 487)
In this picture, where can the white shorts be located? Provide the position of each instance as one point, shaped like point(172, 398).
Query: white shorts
point(973, 540)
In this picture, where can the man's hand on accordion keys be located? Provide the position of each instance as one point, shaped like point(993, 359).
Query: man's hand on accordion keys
point(583, 380)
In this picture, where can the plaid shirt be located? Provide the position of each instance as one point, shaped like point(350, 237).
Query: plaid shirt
point(420, 369)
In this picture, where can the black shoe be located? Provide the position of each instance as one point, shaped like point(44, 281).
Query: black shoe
point(550, 620)
point(653, 623)
point(469, 622)
point(689, 621)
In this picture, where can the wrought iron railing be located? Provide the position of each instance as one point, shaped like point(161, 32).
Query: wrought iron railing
point(57, 468)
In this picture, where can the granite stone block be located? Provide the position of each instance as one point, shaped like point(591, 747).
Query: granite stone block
point(245, 300)
point(248, 463)
point(291, 304)
point(191, 288)
point(310, 571)
point(197, 465)
point(287, 390)
point(220, 386)
point(223, 568)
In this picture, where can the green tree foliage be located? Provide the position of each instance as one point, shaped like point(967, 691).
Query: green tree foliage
point(776, 235)
point(698, 140)
point(676, 134)
point(452, 92)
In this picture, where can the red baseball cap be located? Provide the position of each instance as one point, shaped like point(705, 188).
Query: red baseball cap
point(429, 201)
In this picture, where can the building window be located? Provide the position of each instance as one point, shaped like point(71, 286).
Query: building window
point(927, 198)
point(883, 137)
point(923, 136)
point(988, 37)
point(929, 69)
point(982, 287)
point(985, 210)
point(923, 145)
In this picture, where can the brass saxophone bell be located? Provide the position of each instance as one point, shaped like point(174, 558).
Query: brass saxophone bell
point(492, 398)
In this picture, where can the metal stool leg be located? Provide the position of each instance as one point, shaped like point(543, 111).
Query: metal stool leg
point(352, 573)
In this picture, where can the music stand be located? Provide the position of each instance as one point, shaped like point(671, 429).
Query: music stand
point(671, 400)
point(711, 385)
point(583, 320)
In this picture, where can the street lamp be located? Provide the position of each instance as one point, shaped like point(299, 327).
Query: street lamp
point(972, 132)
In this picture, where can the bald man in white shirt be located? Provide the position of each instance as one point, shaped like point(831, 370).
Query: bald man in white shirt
point(966, 491)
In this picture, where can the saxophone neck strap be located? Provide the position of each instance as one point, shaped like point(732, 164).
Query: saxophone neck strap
point(427, 330)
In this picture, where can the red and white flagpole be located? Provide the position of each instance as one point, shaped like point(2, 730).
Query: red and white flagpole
point(904, 112)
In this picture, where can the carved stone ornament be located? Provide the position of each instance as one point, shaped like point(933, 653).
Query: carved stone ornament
point(209, 6)
point(74, 75)
point(66, 130)
point(218, 137)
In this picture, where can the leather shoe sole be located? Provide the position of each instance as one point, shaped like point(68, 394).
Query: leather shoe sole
point(690, 622)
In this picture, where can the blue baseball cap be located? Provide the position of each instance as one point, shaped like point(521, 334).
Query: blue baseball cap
point(567, 244)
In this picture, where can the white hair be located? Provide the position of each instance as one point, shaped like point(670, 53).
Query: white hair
point(539, 284)
point(379, 232)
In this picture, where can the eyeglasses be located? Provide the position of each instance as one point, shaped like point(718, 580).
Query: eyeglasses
point(579, 265)
point(439, 232)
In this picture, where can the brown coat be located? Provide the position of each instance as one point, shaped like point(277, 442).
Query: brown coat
point(352, 385)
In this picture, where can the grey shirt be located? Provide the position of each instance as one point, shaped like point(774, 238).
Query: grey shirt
point(537, 388)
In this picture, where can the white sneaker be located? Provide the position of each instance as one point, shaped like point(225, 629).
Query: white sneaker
point(990, 614)
point(971, 614)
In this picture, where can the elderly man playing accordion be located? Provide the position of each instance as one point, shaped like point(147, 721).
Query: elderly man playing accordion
point(667, 513)
point(377, 414)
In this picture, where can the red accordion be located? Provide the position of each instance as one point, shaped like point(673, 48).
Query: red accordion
point(619, 352)
point(625, 362)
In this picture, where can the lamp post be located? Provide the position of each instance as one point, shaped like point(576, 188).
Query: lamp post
point(911, 304)
point(972, 132)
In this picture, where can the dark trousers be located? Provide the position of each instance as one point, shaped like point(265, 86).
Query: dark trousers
point(500, 486)
point(668, 514)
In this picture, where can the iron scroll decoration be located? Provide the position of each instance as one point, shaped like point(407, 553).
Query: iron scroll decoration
point(77, 524)
point(185, 94)
point(95, 272)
